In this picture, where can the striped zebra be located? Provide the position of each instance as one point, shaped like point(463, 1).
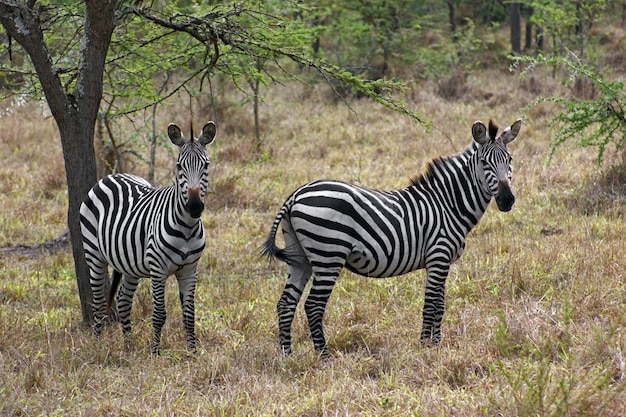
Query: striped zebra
point(328, 225)
point(147, 232)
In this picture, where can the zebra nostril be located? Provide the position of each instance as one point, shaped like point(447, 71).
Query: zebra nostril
point(505, 204)
point(194, 208)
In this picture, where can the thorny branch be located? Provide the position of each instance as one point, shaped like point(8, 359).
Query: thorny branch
point(221, 26)
point(205, 30)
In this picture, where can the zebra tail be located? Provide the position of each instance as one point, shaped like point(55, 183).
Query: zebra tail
point(115, 283)
point(268, 248)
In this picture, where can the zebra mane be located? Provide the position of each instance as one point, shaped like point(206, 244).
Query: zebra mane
point(427, 176)
point(436, 164)
point(493, 130)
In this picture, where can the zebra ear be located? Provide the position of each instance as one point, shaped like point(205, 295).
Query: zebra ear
point(479, 132)
point(175, 135)
point(511, 132)
point(208, 134)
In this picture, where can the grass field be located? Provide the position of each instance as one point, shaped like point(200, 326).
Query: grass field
point(534, 309)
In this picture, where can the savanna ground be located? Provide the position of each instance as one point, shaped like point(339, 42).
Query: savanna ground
point(534, 309)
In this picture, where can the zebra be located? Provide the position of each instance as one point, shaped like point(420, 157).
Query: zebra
point(147, 232)
point(328, 225)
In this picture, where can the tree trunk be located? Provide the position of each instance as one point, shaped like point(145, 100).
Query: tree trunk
point(516, 36)
point(80, 162)
point(527, 13)
point(451, 15)
point(255, 102)
point(77, 132)
point(539, 38)
point(528, 43)
point(74, 112)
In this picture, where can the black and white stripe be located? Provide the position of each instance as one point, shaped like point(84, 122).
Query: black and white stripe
point(147, 232)
point(328, 225)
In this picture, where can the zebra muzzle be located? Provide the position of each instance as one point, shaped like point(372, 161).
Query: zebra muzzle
point(194, 204)
point(505, 198)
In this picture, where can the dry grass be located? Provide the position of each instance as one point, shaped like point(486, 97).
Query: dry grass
point(535, 308)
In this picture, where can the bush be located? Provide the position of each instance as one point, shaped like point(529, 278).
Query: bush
point(598, 121)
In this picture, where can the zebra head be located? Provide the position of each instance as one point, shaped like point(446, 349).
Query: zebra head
point(191, 166)
point(496, 160)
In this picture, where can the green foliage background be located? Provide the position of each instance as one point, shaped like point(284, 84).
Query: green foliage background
point(193, 51)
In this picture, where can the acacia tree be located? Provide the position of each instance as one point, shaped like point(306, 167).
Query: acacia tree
point(73, 107)
point(594, 115)
point(71, 44)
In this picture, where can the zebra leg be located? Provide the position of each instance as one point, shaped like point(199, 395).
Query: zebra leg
point(299, 274)
point(158, 313)
point(125, 301)
point(98, 276)
point(434, 305)
point(186, 292)
point(315, 306)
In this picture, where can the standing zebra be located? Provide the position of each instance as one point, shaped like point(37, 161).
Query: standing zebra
point(329, 225)
point(147, 232)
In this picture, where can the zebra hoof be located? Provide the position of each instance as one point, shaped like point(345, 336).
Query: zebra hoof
point(323, 353)
point(429, 343)
point(128, 344)
point(285, 351)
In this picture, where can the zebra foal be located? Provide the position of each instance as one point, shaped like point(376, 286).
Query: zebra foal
point(147, 232)
point(328, 225)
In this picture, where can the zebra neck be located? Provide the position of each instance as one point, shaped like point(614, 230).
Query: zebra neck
point(480, 189)
point(459, 187)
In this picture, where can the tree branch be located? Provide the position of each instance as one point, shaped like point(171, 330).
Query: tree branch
point(21, 22)
point(230, 33)
point(99, 25)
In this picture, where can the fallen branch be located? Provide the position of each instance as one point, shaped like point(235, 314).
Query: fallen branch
point(62, 241)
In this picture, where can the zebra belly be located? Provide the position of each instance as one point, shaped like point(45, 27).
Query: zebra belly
point(129, 262)
point(366, 264)
point(333, 248)
point(369, 238)
point(149, 263)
